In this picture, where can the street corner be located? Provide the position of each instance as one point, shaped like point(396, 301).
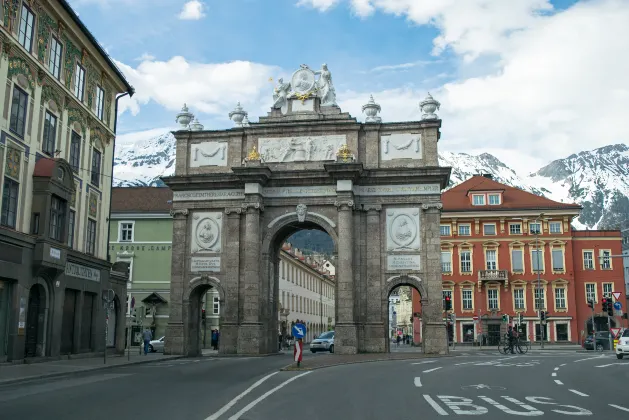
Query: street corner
point(293, 368)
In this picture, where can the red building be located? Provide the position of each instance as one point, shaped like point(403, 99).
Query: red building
point(507, 251)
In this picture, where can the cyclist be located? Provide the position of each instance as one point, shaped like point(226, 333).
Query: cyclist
point(511, 338)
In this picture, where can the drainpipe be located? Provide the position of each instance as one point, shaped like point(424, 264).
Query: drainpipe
point(113, 155)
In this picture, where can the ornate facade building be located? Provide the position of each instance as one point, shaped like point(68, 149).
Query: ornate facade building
point(505, 251)
point(57, 121)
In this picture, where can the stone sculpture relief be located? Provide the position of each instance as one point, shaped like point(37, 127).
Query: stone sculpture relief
point(403, 229)
point(303, 85)
point(401, 146)
point(296, 149)
point(302, 209)
point(206, 232)
point(212, 153)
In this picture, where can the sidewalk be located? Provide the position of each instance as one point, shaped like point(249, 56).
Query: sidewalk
point(11, 374)
point(534, 346)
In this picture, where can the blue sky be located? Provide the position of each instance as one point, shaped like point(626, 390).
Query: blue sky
point(510, 74)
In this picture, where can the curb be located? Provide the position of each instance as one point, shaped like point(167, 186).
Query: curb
point(76, 372)
point(292, 366)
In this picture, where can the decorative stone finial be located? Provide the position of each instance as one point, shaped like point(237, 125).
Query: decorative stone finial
point(196, 125)
point(237, 115)
point(245, 121)
point(371, 110)
point(184, 117)
point(344, 154)
point(428, 107)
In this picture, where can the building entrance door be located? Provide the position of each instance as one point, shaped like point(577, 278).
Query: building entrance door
point(32, 322)
point(67, 323)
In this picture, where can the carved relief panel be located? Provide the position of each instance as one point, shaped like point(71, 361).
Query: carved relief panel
point(211, 153)
point(299, 149)
point(206, 232)
point(400, 146)
point(403, 230)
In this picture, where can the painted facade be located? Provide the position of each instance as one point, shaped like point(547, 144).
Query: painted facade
point(57, 129)
point(490, 264)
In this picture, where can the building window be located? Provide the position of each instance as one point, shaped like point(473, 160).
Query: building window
point(466, 261)
point(606, 263)
point(590, 292)
point(518, 298)
point(561, 332)
point(535, 228)
point(464, 230)
point(57, 215)
point(588, 260)
point(126, 232)
point(54, 61)
point(445, 230)
point(494, 199)
point(444, 294)
point(560, 298)
point(492, 299)
point(95, 167)
point(75, 152)
point(446, 262)
point(216, 305)
point(490, 259)
point(90, 240)
point(100, 102)
point(537, 260)
point(555, 227)
point(557, 256)
point(50, 133)
point(9, 202)
point(35, 224)
point(467, 300)
point(489, 229)
point(79, 82)
point(608, 289)
point(539, 298)
point(25, 35)
point(18, 111)
point(517, 261)
point(71, 222)
point(478, 200)
point(515, 229)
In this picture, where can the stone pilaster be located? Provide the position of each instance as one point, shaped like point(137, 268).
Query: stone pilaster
point(175, 341)
point(376, 320)
point(231, 257)
point(250, 330)
point(346, 334)
point(434, 333)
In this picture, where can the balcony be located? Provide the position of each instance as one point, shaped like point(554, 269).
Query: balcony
point(493, 275)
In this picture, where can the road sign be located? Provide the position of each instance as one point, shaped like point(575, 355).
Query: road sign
point(299, 330)
point(298, 352)
point(615, 331)
point(475, 318)
point(616, 295)
point(617, 306)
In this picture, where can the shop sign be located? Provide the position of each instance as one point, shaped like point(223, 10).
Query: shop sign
point(82, 272)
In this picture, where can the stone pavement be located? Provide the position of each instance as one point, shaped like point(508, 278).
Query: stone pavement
point(311, 363)
point(10, 373)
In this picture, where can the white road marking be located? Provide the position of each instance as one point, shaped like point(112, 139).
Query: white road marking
point(263, 396)
point(556, 368)
point(611, 364)
point(435, 406)
point(431, 370)
point(563, 364)
point(578, 393)
point(230, 404)
point(558, 382)
point(464, 363)
point(589, 358)
point(418, 382)
point(554, 374)
point(421, 363)
point(611, 405)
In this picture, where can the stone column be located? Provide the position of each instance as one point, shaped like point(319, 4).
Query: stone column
point(175, 339)
point(434, 337)
point(249, 332)
point(376, 323)
point(229, 316)
point(346, 334)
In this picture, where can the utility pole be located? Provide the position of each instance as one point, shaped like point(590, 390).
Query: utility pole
point(108, 301)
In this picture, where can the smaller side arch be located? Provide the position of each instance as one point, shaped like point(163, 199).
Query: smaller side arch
point(403, 280)
point(208, 281)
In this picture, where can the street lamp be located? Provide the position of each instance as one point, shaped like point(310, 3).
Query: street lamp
point(540, 301)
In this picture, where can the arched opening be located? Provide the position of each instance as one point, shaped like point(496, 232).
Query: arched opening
point(205, 304)
point(404, 332)
point(36, 320)
point(301, 275)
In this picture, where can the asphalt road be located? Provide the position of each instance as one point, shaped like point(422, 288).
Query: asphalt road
point(552, 385)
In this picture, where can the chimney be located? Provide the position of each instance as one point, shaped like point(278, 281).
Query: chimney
point(488, 176)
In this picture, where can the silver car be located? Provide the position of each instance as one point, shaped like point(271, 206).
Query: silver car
point(325, 342)
point(156, 345)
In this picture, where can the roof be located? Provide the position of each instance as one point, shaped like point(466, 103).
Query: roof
point(96, 45)
point(141, 199)
point(457, 199)
point(44, 167)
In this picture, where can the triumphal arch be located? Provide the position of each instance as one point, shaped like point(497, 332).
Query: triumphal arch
point(374, 187)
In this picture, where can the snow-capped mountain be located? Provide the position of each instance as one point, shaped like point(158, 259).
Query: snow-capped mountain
point(597, 179)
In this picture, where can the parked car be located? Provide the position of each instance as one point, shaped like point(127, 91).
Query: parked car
point(602, 341)
point(325, 342)
point(156, 345)
point(622, 347)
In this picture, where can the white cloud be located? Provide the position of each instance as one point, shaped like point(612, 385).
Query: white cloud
point(321, 5)
point(192, 10)
point(145, 57)
point(212, 88)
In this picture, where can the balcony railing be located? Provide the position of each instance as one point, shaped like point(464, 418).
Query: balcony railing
point(499, 275)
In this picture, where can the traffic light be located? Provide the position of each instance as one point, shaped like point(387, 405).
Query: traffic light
point(505, 318)
point(605, 304)
point(542, 315)
point(448, 303)
point(411, 320)
point(202, 313)
point(591, 304)
point(133, 316)
point(521, 318)
point(610, 308)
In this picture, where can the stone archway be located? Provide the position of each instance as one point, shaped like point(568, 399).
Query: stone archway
point(395, 282)
point(197, 288)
